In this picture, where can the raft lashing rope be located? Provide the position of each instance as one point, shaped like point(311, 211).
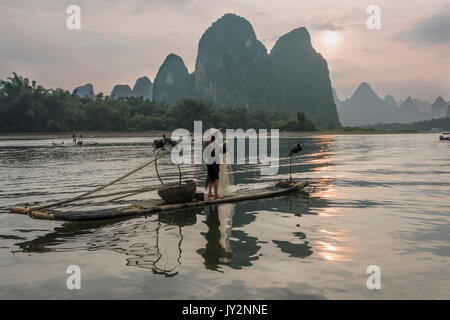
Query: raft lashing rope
point(89, 194)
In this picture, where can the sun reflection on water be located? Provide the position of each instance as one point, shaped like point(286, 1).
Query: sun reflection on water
point(331, 251)
point(331, 245)
point(327, 212)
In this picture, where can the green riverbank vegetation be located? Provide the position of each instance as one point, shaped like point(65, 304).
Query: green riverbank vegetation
point(26, 106)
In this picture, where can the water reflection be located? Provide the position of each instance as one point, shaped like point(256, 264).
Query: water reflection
point(318, 154)
point(152, 242)
point(298, 250)
point(370, 202)
point(225, 246)
point(325, 193)
point(155, 242)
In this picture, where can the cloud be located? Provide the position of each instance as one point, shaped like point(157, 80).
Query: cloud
point(121, 40)
point(326, 26)
point(432, 30)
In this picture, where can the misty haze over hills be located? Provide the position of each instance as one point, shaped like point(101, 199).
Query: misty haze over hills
point(233, 68)
point(365, 107)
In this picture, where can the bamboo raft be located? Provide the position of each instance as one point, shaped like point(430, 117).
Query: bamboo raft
point(156, 206)
point(176, 196)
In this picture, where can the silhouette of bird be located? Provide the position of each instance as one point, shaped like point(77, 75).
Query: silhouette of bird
point(297, 149)
point(159, 144)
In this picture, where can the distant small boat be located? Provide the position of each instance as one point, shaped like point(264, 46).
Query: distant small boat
point(444, 136)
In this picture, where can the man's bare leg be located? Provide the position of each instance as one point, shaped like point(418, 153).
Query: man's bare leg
point(216, 190)
point(210, 190)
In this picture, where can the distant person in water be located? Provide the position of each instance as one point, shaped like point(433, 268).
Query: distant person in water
point(74, 138)
point(212, 177)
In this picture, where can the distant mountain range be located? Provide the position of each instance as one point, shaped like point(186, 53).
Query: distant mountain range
point(85, 91)
point(365, 107)
point(233, 68)
point(142, 88)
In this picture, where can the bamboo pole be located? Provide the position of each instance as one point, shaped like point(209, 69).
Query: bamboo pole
point(156, 167)
point(42, 215)
point(130, 194)
point(128, 191)
point(80, 197)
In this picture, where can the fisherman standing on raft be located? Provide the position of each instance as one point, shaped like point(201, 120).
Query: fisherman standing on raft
point(213, 168)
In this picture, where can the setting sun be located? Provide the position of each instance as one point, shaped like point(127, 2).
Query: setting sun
point(331, 39)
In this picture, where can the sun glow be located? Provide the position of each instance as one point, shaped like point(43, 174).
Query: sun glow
point(331, 39)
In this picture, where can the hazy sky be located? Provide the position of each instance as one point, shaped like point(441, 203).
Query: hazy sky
point(120, 41)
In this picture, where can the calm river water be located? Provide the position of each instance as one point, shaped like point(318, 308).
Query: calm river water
point(373, 200)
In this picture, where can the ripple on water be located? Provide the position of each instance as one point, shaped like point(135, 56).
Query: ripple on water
point(373, 199)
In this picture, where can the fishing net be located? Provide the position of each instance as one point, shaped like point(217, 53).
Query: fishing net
point(226, 180)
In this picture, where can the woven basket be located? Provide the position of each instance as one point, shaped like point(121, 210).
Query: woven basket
point(179, 193)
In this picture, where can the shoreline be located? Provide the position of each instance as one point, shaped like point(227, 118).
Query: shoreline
point(156, 133)
point(68, 135)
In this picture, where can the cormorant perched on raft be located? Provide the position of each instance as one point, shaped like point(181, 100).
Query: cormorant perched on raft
point(297, 149)
point(160, 144)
